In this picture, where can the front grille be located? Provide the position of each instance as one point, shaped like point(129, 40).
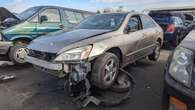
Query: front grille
point(42, 55)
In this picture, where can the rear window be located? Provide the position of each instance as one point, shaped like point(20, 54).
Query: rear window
point(161, 18)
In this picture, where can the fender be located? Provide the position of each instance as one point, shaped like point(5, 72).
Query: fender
point(22, 37)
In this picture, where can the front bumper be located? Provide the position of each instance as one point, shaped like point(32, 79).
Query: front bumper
point(181, 93)
point(4, 47)
point(61, 69)
point(52, 68)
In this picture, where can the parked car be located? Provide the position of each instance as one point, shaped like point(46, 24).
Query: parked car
point(179, 83)
point(97, 48)
point(35, 22)
point(6, 17)
point(173, 25)
point(191, 26)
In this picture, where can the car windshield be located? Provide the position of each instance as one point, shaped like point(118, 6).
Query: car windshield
point(28, 13)
point(103, 21)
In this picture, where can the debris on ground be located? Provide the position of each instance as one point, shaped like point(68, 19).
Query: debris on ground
point(6, 63)
point(123, 89)
point(4, 78)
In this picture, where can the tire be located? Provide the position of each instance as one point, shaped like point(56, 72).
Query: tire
point(18, 52)
point(103, 75)
point(123, 84)
point(156, 53)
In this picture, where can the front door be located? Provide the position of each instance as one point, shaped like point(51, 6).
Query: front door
point(132, 39)
point(49, 21)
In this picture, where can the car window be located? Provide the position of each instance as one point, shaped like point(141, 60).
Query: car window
point(177, 21)
point(70, 17)
point(134, 22)
point(53, 15)
point(147, 22)
point(35, 19)
point(86, 15)
point(79, 17)
point(103, 21)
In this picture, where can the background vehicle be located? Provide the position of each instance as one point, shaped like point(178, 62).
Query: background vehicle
point(35, 22)
point(6, 16)
point(179, 84)
point(97, 48)
point(173, 25)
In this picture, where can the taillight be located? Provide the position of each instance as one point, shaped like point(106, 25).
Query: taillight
point(170, 28)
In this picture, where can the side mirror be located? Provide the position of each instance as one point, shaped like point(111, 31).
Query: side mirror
point(43, 19)
point(132, 26)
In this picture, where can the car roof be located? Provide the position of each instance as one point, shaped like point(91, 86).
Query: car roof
point(71, 9)
point(183, 8)
point(131, 12)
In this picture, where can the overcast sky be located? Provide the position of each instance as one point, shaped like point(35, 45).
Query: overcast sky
point(94, 5)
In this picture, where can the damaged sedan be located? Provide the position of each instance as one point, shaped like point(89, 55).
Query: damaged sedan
point(95, 50)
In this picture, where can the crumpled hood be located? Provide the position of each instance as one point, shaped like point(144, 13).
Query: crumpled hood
point(53, 43)
point(4, 14)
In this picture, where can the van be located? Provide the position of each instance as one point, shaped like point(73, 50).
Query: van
point(35, 22)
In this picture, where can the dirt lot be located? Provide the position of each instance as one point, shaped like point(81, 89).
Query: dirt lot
point(33, 90)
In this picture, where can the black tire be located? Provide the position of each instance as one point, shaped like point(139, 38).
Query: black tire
point(123, 84)
point(156, 53)
point(99, 72)
point(13, 55)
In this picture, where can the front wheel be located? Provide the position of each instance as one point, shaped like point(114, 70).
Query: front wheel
point(156, 53)
point(105, 71)
point(18, 53)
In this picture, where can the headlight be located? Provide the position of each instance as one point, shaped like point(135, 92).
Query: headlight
point(182, 65)
point(75, 54)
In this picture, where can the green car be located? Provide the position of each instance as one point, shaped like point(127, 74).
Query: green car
point(35, 22)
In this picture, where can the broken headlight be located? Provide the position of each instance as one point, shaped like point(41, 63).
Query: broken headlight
point(80, 53)
point(182, 65)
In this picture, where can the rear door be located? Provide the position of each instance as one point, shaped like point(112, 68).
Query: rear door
point(149, 34)
point(53, 22)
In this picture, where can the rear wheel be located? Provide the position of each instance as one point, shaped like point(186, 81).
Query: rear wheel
point(105, 71)
point(156, 53)
point(18, 52)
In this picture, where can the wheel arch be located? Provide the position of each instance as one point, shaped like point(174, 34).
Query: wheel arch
point(27, 39)
point(117, 51)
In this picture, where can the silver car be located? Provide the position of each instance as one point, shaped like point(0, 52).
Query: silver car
point(97, 48)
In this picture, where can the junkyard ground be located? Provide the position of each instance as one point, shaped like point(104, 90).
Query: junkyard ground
point(34, 90)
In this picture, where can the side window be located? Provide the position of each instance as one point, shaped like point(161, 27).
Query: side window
point(35, 19)
point(86, 15)
point(70, 16)
point(50, 15)
point(178, 21)
point(79, 17)
point(133, 25)
point(147, 22)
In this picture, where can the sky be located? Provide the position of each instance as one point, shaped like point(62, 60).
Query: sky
point(94, 5)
